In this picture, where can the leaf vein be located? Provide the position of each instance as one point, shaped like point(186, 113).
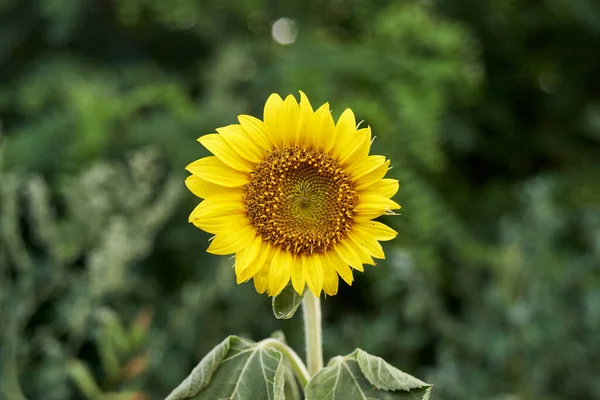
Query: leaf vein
point(239, 380)
point(263, 367)
point(355, 382)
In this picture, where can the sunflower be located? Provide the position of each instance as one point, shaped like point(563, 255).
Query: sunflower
point(293, 197)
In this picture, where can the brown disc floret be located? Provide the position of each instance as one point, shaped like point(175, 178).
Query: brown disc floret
point(301, 200)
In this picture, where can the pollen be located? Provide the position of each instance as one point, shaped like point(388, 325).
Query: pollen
point(300, 199)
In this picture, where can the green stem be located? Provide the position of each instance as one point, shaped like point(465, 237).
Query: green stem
point(312, 330)
point(290, 355)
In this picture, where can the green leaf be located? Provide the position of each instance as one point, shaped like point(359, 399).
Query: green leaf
point(361, 376)
point(286, 303)
point(202, 374)
point(84, 379)
point(108, 356)
point(278, 335)
point(236, 369)
point(291, 388)
point(384, 376)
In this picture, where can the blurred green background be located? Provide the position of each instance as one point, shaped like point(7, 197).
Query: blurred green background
point(489, 111)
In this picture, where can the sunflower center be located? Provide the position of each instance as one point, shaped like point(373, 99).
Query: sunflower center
point(300, 200)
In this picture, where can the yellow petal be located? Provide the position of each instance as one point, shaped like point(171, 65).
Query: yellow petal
point(272, 117)
point(261, 279)
point(365, 166)
point(255, 129)
point(239, 140)
point(384, 187)
point(247, 256)
point(344, 132)
point(217, 145)
point(261, 260)
point(280, 272)
point(314, 273)
point(218, 224)
point(372, 176)
point(367, 243)
point(360, 248)
point(213, 170)
point(348, 254)
point(376, 229)
point(341, 266)
point(357, 148)
point(304, 120)
point(298, 276)
point(289, 120)
point(330, 279)
point(231, 241)
point(305, 103)
point(321, 129)
point(219, 205)
point(372, 206)
point(204, 189)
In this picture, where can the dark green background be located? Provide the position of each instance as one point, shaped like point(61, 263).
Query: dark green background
point(489, 111)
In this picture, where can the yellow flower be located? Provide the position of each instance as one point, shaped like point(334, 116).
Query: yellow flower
point(293, 197)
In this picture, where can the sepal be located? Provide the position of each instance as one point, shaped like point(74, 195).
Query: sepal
point(286, 303)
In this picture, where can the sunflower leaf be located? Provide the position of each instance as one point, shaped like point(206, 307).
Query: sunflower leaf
point(384, 376)
point(236, 369)
point(286, 303)
point(291, 389)
point(361, 376)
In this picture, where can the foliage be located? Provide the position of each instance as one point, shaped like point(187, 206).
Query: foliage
point(67, 265)
point(286, 303)
point(360, 375)
point(488, 111)
point(236, 369)
point(241, 369)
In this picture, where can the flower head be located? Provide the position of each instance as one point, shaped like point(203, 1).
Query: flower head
point(293, 197)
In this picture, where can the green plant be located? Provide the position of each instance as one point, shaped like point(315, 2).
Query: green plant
point(62, 278)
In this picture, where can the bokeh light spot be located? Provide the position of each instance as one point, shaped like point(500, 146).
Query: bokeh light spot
point(284, 31)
